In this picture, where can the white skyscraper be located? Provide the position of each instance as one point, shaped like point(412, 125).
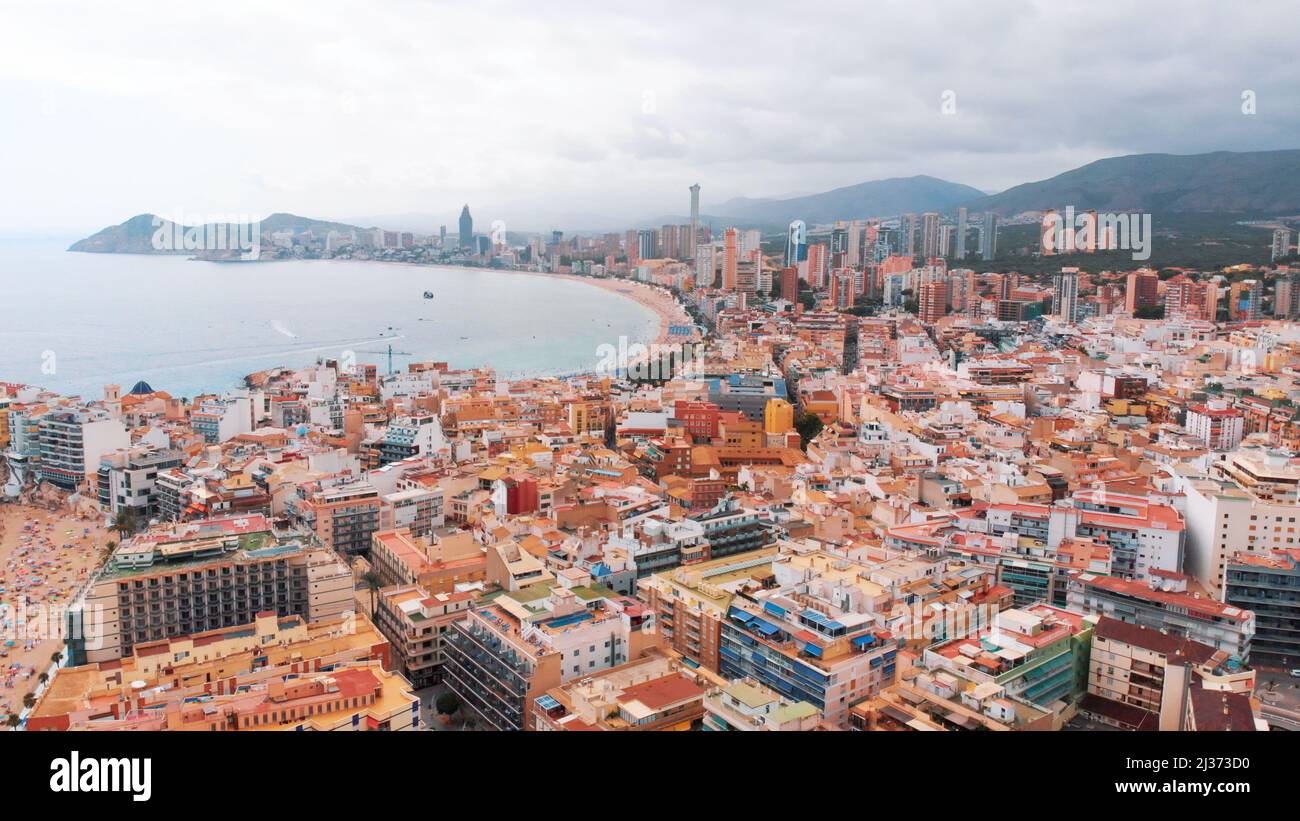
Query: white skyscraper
point(1065, 296)
point(695, 216)
point(961, 234)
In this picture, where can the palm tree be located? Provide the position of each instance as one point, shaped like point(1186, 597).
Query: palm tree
point(124, 524)
point(56, 657)
point(13, 720)
point(29, 700)
point(43, 677)
point(373, 583)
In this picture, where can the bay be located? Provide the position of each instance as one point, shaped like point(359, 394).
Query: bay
point(72, 322)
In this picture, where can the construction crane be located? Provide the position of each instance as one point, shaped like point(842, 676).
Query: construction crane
point(390, 352)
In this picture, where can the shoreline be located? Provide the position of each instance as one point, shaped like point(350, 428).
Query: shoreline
point(46, 556)
point(659, 300)
point(669, 309)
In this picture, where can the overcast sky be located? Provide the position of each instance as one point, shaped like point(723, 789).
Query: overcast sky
point(558, 114)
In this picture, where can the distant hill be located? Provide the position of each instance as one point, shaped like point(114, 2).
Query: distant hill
point(879, 198)
point(135, 236)
point(1221, 182)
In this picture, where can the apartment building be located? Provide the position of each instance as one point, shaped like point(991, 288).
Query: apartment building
point(70, 443)
point(1164, 602)
point(437, 563)
point(748, 706)
point(416, 624)
point(175, 580)
point(343, 518)
point(1215, 423)
point(944, 702)
point(654, 693)
point(141, 690)
point(690, 603)
point(814, 632)
point(1037, 655)
point(353, 698)
point(420, 510)
point(515, 646)
point(220, 420)
point(1269, 584)
point(657, 543)
point(1226, 519)
point(1141, 678)
point(407, 436)
point(126, 480)
point(730, 528)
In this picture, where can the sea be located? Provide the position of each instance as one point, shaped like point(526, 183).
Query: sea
point(73, 322)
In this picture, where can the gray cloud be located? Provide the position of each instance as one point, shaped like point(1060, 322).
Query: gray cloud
point(603, 108)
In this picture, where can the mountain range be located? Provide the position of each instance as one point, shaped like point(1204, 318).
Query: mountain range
point(135, 236)
point(1221, 182)
point(878, 198)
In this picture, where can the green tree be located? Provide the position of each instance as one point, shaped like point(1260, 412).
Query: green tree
point(447, 703)
point(808, 425)
point(124, 523)
point(370, 579)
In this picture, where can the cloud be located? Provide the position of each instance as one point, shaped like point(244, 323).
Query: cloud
point(327, 109)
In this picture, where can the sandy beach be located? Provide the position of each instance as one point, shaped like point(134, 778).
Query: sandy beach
point(45, 557)
point(663, 303)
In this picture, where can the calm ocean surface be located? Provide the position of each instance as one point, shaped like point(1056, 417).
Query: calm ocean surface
point(190, 327)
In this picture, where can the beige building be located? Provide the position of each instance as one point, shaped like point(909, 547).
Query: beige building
point(1141, 678)
point(436, 563)
point(199, 576)
point(415, 623)
point(267, 675)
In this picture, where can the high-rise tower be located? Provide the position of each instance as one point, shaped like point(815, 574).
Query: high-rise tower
point(961, 234)
point(989, 237)
point(695, 217)
point(466, 228)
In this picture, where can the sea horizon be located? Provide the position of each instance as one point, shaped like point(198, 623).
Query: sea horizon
point(64, 333)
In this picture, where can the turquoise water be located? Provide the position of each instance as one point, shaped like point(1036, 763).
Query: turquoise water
point(189, 327)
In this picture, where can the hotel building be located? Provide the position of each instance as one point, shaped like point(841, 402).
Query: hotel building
point(176, 580)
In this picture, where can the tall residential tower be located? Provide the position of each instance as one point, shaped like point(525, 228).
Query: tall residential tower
point(466, 237)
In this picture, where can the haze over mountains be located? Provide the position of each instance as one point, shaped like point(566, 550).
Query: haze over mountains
point(1222, 181)
point(877, 198)
point(1258, 182)
point(135, 236)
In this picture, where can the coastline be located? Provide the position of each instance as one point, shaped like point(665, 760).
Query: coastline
point(564, 354)
point(46, 556)
point(669, 309)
